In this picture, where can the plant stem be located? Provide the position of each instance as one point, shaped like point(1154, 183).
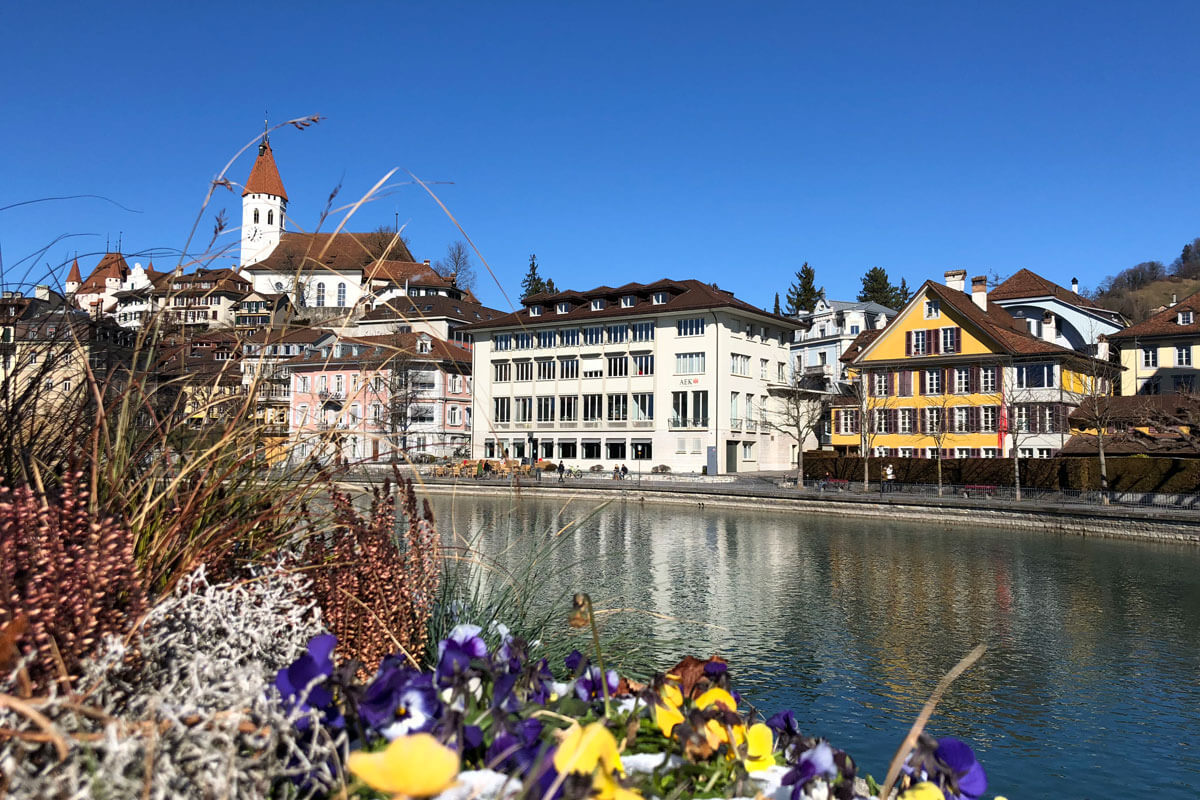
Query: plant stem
point(599, 655)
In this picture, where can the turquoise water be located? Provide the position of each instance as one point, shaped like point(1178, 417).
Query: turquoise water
point(1090, 687)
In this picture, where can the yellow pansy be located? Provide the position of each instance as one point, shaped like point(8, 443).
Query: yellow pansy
point(416, 766)
point(584, 749)
point(667, 716)
point(716, 696)
point(759, 747)
point(923, 791)
point(606, 787)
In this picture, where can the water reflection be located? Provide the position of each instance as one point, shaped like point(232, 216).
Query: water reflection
point(1094, 646)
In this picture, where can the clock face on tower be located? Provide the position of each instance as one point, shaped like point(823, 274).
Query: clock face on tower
point(254, 234)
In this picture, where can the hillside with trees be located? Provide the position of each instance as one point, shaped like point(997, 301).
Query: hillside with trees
point(1138, 290)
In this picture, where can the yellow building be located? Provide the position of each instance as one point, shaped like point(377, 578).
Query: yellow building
point(1160, 355)
point(956, 376)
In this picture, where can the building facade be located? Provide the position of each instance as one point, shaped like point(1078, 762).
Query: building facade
point(1160, 355)
point(1078, 323)
point(672, 373)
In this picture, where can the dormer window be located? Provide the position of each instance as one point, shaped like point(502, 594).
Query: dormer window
point(627, 301)
point(535, 311)
point(1184, 318)
point(422, 345)
point(597, 305)
point(658, 298)
point(563, 308)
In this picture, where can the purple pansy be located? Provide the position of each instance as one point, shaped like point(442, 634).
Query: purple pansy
point(964, 772)
point(813, 763)
point(399, 701)
point(785, 723)
point(456, 651)
point(302, 684)
point(573, 660)
point(589, 686)
point(519, 749)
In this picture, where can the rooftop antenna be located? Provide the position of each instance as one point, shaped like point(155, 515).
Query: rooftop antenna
point(120, 235)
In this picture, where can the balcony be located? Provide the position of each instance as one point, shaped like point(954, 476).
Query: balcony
point(333, 397)
point(735, 423)
point(818, 369)
point(750, 426)
point(274, 394)
point(643, 423)
point(682, 423)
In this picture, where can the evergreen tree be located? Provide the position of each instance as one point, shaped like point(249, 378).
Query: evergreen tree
point(878, 288)
point(803, 294)
point(532, 283)
point(777, 302)
point(903, 295)
point(550, 287)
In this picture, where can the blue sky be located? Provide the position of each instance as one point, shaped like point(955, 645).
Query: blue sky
point(623, 141)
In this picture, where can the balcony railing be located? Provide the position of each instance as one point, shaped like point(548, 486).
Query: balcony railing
point(819, 369)
point(735, 423)
point(643, 423)
point(689, 422)
point(335, 396)
point(274, 393)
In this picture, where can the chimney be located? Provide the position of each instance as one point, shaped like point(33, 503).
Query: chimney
point(1174, 300)
point(956, 279)
point(1049, 328)
point(427, 262)
point(1102, 347)
point(1075, 285)
point(42, 291)
point(979, 291)
point(880, 321)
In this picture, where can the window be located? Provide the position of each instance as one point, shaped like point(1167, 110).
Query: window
point(1185, 318)
point(918, 343)
point(933, 420)
point(951, 340)
point(256, 216)
point(569, 368)
point(563, 308)
point(270, 217)
point(591, 450)
point(1025, 452)
point(593, 335)
point(987, 379)
point(627, 301)
point(320, 293)
point(904, 419)
point(592, 407)
point(1183, 356)
point(303, 379)
point(690, 327)
point(545, 370)
point(617, 334)
point(747, 451)
point(854, 330)
point(987, 419)
point(881, 383)
point(522, 409)
point(339, 383)
point(545, 338)
point(1044, 452)
point(1184, 383)
point(456, 384)
point(341, 294)
point(739, 364)
point(658, 298)
point(689, 363)
point(643, 364)
point(503, 341)
point(989, 452)
point(597, 305)
point(1035, 376)
point(500, 409)
point(962, 452)
point(545, 409)
point(524, 370)
point(847, 421)
point(569, 337)
point(932, 309)
point(618, 407)
point(643, 406)
point(1022, 419)
point(643, 331)
point(618, 366)
point(880, 421)
point(523, 341)
point(762, 368)
point(535, 311)
point(377, 412)
point(643, 451)
point(962, 420)
point(1149, 357)
point(962, 380)
point(906, 452)
point(933, 381)
point(568, 408)
point(592, 369)
point(615, 450)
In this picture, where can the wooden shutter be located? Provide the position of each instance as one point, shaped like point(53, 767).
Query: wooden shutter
point(975, 452)
point(974, 379)
point(908, 343)
point(932, 345)
point(837, 421)
point(905, 383)
point(893, 383)
point(924, 390)
point(948, 380)
point(958, 340)
point(893, 420)
point(974, 419)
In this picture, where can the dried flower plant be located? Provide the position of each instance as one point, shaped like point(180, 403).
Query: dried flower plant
point(376, 585)
point(69, 579)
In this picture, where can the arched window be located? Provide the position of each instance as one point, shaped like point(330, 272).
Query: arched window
point(270, 217)
point(321, 293)
point(256, 216)
point(341, 294)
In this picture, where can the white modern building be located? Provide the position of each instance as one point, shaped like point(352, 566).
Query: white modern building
point(671, 373)
point(1050, 311)
point(826, 332)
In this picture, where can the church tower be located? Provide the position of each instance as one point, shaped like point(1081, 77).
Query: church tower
point(264, 202)
point(74, 279)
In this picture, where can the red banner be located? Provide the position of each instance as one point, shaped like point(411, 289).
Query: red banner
point(1001, 428)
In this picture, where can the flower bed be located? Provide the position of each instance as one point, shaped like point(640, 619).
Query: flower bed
point(491, 722)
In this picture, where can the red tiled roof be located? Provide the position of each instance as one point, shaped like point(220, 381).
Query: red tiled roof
point(1165, 322)
point(684, 295)
point(328, 251)
point(111, 266)
point(407, 308)
point(381, 349)
point(73, 275)
point(401, 272)
point(1024, 283)
point(264, 175)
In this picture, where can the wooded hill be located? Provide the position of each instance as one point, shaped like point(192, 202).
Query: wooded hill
point(1141, 289)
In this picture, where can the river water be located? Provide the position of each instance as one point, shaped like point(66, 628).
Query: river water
point(1090, 686)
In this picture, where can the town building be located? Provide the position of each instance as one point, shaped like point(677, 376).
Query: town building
point(404, 396)
point(439, 315)
point(200, 300)
point(1079, 323)
point(827, 331)
point(954, 375)
point(675, 373)
point(1160, 355)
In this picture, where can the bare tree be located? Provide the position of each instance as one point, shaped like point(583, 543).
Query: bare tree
point(387, 243)
point(405, 405)
point(874, 393)
point(457, 264)
point(1091, 390)
point(805, 409)
point(939, 424)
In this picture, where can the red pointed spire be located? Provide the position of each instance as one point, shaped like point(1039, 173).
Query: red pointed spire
point(73, 276)
point(264, 175)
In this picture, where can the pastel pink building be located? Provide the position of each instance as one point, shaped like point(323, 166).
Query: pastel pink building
point(364, 399)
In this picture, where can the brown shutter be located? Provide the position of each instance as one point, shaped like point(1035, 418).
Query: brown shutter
point(893, 420)
point(905, 383)
point(948, 380)
point(921, 374)
point(958, 340)
point(893, 383)
point(932, 345)
point(908, 343)
point(974, 379)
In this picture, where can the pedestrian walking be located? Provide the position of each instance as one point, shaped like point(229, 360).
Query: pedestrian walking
point(624, 472)
point(562, 471)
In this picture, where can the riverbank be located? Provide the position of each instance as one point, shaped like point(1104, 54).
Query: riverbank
point(1116, 522)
